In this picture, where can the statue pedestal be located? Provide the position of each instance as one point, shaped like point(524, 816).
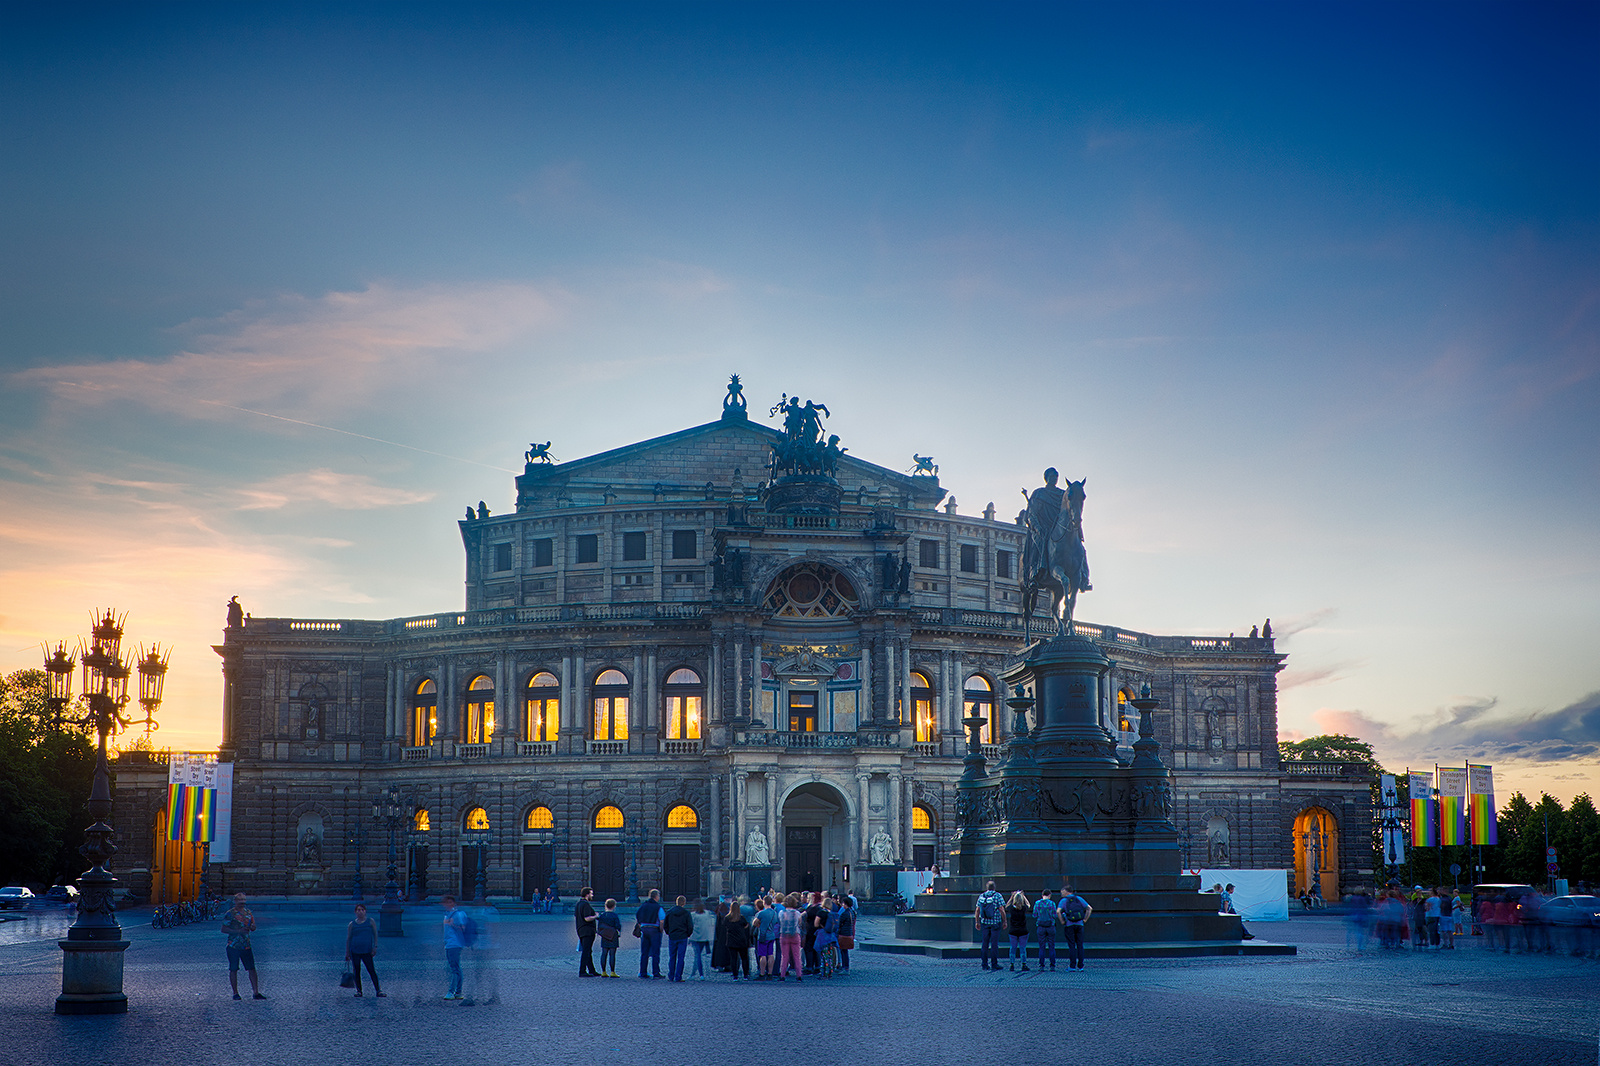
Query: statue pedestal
point(751, 880)
point(91, 977)
point(390, 919)
point(884, 880)
point(805, 494)
point(307, 879)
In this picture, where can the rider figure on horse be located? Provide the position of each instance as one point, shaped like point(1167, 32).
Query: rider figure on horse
point(1053, 555)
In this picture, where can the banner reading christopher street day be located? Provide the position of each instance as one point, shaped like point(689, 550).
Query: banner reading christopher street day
point(200, 802)
point(1424, 828)
point(1480, 786)
point(1453, 805)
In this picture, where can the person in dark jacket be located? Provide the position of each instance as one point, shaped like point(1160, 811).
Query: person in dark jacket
point(648, 919)
point(360, 943)
point(1017, 912)
point(737, 934)
point(583, 915)
point(677, 924)
point(719, 938)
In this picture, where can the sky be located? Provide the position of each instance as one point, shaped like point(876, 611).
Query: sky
point(1309, 293)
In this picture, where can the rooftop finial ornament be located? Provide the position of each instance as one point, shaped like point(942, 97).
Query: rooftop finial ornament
point(1053, 556)
point(734, 404)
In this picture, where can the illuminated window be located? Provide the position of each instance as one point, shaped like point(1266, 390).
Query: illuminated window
point(609, 720)
point(923, 721)
point(478, 727)
point(420, 822)
point(681, 817)
point(543, 718)
point(608, 818)
point(685, 697)
point(477, 818)
point(802, 711)
point(978, 699)
point(1126, 720)
point(921, 820)
point(424, 724)
point(541, 818)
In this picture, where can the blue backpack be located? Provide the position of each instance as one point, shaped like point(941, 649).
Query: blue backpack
point(469, 929)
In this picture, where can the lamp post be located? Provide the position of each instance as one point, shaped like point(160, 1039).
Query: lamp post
point(479, 838)
point(634, 835)
point(91, 964)
point(386, 813)
point(355, 837)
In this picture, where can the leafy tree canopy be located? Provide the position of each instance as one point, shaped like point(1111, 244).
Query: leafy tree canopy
point(1330, 747)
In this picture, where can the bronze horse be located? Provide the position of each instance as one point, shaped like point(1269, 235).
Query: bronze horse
point(1065, 567)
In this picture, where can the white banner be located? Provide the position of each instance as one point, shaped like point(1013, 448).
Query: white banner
point(1258, 895)
point(222, 830)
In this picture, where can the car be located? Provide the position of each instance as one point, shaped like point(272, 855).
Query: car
point(1567, 910)
point(61, 894)
point(15, 896)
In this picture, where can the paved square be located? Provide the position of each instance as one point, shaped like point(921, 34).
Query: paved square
point(1329, 1004)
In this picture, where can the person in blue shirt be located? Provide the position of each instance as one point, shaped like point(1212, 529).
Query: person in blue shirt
point(648, 918)
point(1073, 911)
point(455, 938)
point(1044, 927)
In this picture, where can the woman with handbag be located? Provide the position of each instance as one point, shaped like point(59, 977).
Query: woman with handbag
point(360, 944)
point(847, 930)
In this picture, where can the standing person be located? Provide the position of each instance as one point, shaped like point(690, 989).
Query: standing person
point(827, 942)
point(360, 944)
point(705, 924)
point(609, 925)
point(736, 931)
point(791, 935)
point(677, 924)
point(987, 917)
point(847, 930)
point(647, 926)
point(587, 921)
point(1044, 927)
point(1447, 918)
point(1432, 913)
point(455, 938)
point(1017, 926)
point(237, 927)
point(1073, 911)
point(766, 934)
point(816, 916)
point(719, 937)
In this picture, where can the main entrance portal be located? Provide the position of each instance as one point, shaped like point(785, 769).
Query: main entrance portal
point(816, 831)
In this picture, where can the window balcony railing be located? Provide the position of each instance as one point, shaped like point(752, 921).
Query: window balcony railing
point(784, 739)
point(422, 754)
point(1324, 769)
point(681, 747)
point(472, 751)
point(536, 747)
point(925, 749)
point(608, 747)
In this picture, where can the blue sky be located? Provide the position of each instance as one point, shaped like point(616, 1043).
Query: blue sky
point(1310, 293)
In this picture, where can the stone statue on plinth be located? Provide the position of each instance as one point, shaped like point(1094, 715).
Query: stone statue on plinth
point(882, 848)
point(755, 848)
point(310, 848)
point(1053, 556)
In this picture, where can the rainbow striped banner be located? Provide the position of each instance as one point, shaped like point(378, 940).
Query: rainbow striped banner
point(1424, 823)
point(191, 797)
point(1480, 804)
point(1452, 804)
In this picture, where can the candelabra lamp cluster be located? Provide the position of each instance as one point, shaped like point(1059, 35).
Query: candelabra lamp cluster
point(92, 953)
point(386, 812)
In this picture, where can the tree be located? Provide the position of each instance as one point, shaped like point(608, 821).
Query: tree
point(45, 776)
point(1330, 747)
point(1580, 853)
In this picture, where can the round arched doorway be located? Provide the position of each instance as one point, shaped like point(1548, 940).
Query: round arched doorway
point(1316, 852)
point(816, 837)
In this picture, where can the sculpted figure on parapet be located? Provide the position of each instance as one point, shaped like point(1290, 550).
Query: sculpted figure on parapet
point(803, 449)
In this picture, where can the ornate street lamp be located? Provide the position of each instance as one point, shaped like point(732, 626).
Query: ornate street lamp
point(635, 835)
point(479, 838)
point(91, 964)
point(386, 812)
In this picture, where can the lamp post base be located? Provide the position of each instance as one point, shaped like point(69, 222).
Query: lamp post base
point(91, 977)
point(389, 920)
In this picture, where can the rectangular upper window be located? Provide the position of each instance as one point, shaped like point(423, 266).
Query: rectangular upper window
point(633, 547)
point(969, 558)
point(1002, 564)
point(588, 547)
point(502, 557)
point(928, 554)
point(685, 544)
point(544, 552)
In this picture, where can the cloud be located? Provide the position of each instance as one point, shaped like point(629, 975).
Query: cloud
point(316, 356)
point(351, 492)
point(1472, 730)
point(1315, 675)
point(1299, 623)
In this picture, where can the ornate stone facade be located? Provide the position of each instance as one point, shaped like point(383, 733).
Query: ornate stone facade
point(650, 630)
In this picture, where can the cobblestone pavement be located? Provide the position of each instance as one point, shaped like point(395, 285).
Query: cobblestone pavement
point(1330, 1004)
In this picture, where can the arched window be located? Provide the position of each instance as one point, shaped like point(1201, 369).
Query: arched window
point(420, 822)
point(978, 699)
point(540, 818)
point(921, 820)
point(608, 818)
point(610, 718)
point(1127, 718)
point(478, 727)
point(922, 717)
point(686, 695)
point(424, 722)
point(543, 718)
point(811, 590)
point(682, 817)
point(477, 818)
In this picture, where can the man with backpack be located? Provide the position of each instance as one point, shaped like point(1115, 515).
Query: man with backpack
point(647, 927)
point(1073, 912)
point(988, 917)
point(1044, 927)
point(456, 937)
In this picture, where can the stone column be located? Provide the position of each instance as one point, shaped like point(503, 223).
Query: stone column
point(636, 705)
point(905, 679)
point(740, 804)
point(715, 784)
point(894, 811)
point(714, 683)
point(757, 653)
point(449, 712)
point(770, 791)
point(907, 834)
point(738, 678)
point(580, 713)
point(890, 679)
point(863, 837)
point(864, 711)
point(958, 684)
point(652, 712)
point(508, 710)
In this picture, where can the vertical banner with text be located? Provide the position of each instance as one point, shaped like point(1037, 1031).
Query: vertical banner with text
point(1452, 804)
point(191, 796)
point(1480, 786)
point(1424, 826)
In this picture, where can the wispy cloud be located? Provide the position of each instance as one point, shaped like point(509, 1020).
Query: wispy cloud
point(1473, 729)
point(351, 492)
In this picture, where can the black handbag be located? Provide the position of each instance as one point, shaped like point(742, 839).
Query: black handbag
point(348, 978)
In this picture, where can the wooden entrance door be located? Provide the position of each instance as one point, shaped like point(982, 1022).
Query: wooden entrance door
point(538, 869)
point(802, 858)
point(680, 872)
point(606, 871)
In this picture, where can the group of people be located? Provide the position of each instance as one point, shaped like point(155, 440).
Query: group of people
point(1427, 919)
point(810, 933)
point(1053, 919)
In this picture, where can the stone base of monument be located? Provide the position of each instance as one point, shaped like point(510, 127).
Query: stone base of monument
point(814, 494)
point(751, 881)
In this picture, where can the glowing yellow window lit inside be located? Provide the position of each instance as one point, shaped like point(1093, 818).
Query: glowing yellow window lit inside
point(608, 818)
point(478, 728)
point(922, 708)
point(419, 821)
point(424, 724)
point(477, 818)
point(611, 706)
point(681, 817)
point(543, 718)
point(979, 700)
point(541, 818)
point(1124, 723)
point(683, 705)
point(920, 820)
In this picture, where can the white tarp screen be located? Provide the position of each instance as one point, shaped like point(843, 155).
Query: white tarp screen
point(1258, 895)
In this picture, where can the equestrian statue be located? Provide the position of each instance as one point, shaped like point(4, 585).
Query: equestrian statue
point(1053, 556)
